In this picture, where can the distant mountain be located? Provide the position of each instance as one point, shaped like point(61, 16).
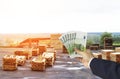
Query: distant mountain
point(16, 38)
point(99, 33)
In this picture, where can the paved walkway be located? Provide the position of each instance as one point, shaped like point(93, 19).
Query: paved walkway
point(64, 68)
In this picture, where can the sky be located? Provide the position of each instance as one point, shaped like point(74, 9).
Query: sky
point(58, 16)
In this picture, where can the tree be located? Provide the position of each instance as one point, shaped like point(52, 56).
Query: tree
point(89, 42)
point(116, 39)
point(96, 39)
point(103, 35)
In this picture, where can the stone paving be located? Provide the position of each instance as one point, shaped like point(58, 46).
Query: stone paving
point(63, 68)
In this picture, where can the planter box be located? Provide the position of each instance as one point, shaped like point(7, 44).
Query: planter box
point(21, 60)
point(27, 54)
point(38, 64)
point(42, 49)
point(106, 54)
point(51, 50)
point(49, 58)
point(117, 49)
point(9, 62)
point(35, 52)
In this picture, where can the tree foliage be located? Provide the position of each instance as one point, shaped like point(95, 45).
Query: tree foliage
point(116, 39)
point(103, 35)
point(89, 42)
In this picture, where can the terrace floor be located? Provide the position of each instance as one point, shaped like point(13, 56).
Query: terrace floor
point(63, 68)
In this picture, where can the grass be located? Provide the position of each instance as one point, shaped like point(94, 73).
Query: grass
point(116, 44)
